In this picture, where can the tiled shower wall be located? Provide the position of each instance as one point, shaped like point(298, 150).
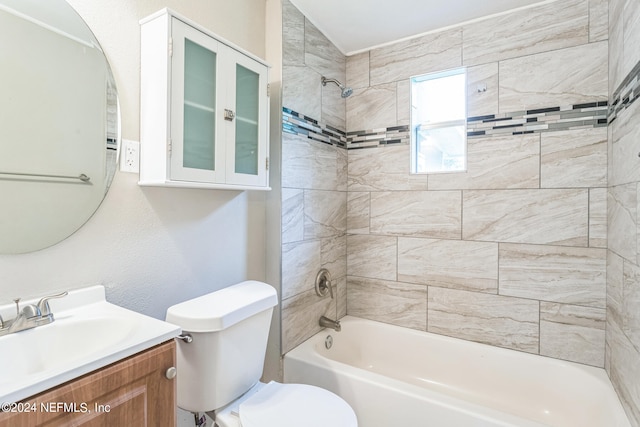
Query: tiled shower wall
point(510, 253)
point(513, 252)
point(623, 256)
point(314, 182)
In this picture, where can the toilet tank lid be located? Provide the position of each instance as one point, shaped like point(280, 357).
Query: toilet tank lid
point(221, 309)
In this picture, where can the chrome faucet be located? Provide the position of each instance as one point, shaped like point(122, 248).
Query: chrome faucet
point(325, 322)
point(30, 316)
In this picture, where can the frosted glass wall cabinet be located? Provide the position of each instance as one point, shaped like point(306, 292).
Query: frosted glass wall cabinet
point(204, 109)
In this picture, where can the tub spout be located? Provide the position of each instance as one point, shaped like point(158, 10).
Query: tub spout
point(325, 322)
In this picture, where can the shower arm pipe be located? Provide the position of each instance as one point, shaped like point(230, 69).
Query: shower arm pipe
point(346, 91)
point(336, 81)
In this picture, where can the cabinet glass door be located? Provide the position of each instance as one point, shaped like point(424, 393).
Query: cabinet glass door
point(246, 154)
point(194, 122)
point(247, 116)
point(199, 109)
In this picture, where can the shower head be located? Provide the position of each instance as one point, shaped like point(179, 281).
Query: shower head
point(346, 91)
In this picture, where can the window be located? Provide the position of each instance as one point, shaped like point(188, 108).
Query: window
point(439, 122)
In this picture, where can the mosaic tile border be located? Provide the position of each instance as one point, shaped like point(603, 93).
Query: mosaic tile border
point(592, 114)
point(376, 137)
point(626, 93)
point(299, 124)
point(578, 116)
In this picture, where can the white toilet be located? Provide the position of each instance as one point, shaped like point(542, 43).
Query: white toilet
point(220, 369)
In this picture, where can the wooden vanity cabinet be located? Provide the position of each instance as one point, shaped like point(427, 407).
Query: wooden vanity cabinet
point(132, 392)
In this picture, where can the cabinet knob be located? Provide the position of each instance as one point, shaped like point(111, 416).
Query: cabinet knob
point(171, 373)
point(229, 115)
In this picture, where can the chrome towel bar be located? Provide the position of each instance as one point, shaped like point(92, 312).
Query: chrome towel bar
point(82, 177)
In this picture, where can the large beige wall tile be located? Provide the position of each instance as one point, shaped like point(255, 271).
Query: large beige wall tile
point(301, 315)
point(401, 304)
point(449, 263)
point(495, 162)
point(333, 108)
point(631, 303)
point(358, 70)
point(372, 256)
point(383, 168)
point(321, 55)
point(292, 35)
point(610, 155)
point(543, 80)
point(574, 158)
point(434, 214)
point(403, 105)
point(615, 288)
point(598, 20)
point(490, 319)
point(573, 333)
point(482, 90)
point(631, 35)
point(419, 55)
point(527, 216)
point(358, 212)
point(333, 256)
point(311, 165)
point(325, 213)
point(598, 217)
point(554, 273)
point(624, 372)
point(300, 263)
point(532, 30)
point(373, 107)
point(616, 44)
point(341, 303)
point(625, 148)
point(342, 170)
point(302, 90)
point(622, 207)
point(292, 215)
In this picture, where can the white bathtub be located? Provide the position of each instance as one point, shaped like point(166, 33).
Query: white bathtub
point(394, 376)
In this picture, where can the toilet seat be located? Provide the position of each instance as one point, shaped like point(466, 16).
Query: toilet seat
point(294, 405)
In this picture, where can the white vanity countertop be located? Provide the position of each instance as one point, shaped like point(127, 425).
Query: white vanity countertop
point(88, 333)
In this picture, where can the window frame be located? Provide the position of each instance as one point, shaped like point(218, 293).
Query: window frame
point(414, 127)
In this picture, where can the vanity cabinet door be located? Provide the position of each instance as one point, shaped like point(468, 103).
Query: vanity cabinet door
point(132, 392)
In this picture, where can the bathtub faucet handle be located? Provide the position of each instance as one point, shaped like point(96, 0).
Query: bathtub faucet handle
point(323, 283)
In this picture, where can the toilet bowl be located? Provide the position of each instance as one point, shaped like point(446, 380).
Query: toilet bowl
point(287, 405)
point(220, 366)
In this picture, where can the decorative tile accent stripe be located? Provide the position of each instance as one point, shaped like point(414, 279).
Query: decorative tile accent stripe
point(593, 114)
point(376, 137)
point(626, 94)
point(298, 124)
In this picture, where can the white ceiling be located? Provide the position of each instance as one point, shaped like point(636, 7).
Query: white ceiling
point(358, 25)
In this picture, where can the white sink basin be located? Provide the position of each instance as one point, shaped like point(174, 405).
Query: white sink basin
point(88, 333)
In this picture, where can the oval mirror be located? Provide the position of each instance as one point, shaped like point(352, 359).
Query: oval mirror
point(60, 124)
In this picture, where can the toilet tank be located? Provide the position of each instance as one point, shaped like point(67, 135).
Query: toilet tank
point(229, 328)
